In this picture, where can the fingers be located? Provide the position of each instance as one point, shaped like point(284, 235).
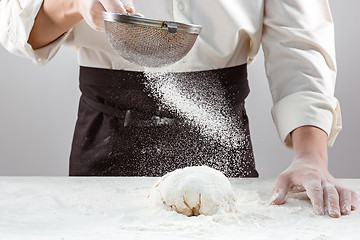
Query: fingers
point(92, 10)
point(345, 200)
point(354, 201)
point(314, 191)
point(280, 190)
point(115, 6)
point(93, 15)
point(129, 6)
point(332, 200)
point(338, 200)
point(349, 200)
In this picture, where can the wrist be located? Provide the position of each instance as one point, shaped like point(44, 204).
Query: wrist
point(310, 145)
point(62, 14)
point(75, 9)
point(311, 159)
point(53, 20)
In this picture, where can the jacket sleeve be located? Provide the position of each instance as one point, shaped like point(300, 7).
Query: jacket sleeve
point(299, 48)
point(16, 21)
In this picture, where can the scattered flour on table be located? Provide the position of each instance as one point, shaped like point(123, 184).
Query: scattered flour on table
point(117, 208)
point(193, 191)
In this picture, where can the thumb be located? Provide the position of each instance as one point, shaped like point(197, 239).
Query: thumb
point(280, 190)
point(129, 6)
point(113, 6)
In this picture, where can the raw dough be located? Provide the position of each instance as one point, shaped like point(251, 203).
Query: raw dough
point(193, 191)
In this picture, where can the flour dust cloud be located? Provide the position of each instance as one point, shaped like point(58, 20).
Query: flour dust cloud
point(199, 100)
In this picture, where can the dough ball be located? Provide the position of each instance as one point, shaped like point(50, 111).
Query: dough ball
point(193, 191)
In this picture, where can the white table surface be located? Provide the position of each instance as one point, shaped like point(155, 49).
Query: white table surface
point(117, 208)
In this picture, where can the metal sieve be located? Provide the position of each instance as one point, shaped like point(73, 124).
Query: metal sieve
point(149, 42)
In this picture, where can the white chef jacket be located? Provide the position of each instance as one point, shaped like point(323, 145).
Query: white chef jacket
point(297, 37)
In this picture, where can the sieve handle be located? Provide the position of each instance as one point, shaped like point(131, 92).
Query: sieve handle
point(171, 27)
point(139, 20)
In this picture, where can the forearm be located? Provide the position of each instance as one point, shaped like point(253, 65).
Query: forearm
point(54, 19)
point(310, 143)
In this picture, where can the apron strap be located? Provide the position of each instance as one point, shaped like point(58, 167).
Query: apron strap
point(131, 117)
point(122, 94)
point(100, 107)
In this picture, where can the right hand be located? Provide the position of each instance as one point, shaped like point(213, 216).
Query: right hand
point(91, 10)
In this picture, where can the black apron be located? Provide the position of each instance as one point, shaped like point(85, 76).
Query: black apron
point(123, 130)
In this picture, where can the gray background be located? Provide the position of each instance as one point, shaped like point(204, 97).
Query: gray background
point(38, 107)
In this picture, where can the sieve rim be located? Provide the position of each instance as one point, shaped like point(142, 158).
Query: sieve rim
point(150, 22)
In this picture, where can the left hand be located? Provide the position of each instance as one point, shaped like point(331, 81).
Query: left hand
point(308, 172)
point(322, 189)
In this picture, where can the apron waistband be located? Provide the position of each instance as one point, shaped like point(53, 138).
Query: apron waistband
point(131, 117)
point(123, 94)
point(135, 79)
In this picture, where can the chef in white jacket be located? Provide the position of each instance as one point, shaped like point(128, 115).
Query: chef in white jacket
point(298, 41)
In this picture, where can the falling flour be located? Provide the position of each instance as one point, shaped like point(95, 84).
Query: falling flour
point(200, 100)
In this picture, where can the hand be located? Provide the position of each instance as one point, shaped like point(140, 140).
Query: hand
point(324, 192)
point(91, 10)
point(308, 172)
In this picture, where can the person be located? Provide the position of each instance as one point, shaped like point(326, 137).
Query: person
point(116, 133)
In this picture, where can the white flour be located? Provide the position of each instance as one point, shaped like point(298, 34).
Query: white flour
point(202, 102)
point(39, 208)
point(199, 100)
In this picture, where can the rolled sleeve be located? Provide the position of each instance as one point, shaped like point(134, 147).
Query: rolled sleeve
point(16, 22)
point(299, 48)
point(307, 109)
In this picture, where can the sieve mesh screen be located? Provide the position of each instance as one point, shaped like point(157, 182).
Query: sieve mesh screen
point(148, 46)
